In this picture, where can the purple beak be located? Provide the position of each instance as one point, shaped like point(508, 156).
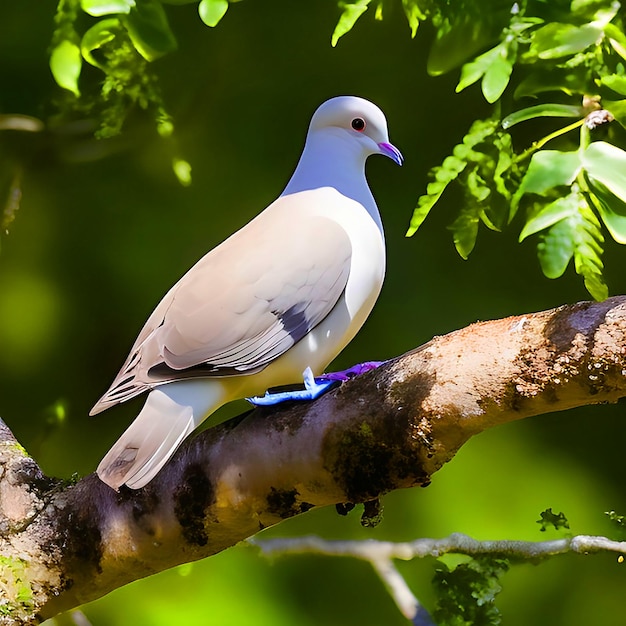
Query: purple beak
point(391, 151)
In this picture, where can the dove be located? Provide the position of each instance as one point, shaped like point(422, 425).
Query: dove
point(275, 302)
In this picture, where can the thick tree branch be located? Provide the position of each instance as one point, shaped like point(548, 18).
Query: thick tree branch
point(63, 545)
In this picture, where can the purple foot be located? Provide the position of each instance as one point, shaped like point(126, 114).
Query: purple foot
point(351, 372)
point(314, 387)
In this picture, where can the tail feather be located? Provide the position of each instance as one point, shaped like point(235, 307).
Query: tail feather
point(171, 413)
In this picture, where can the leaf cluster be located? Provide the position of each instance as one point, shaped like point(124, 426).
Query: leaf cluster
point(467, 592)
point(534, 61)
point(549, 518)
point(568, 60)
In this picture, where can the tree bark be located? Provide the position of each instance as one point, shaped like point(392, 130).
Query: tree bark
point(65, 544)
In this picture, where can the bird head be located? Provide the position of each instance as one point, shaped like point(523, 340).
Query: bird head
point(358, 121)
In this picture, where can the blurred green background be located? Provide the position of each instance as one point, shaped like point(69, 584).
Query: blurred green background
point(104, 229)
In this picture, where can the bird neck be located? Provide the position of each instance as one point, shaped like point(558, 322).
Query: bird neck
point(329, 160)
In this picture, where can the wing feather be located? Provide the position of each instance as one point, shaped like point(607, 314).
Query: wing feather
point(243, 304)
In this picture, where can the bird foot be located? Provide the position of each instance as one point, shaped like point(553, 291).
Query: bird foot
point(314, 387)
point(351, 372)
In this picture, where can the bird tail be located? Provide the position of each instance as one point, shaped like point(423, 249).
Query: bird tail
point(171, 413)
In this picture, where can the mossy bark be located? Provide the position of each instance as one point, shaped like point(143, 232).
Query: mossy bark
point(65, 544)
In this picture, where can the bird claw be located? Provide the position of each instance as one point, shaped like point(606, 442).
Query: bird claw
point(351, 372)
point(314, 387)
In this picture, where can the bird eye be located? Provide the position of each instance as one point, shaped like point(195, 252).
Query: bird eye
point(358, 123)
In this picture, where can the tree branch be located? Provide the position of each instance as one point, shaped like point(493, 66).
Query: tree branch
point(381, 554)
point(62, 545)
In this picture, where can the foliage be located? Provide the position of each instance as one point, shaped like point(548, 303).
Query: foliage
point(121, 45)
point(566, 59)
point(573, 195)
point(467, 592)
point(618, 521)
point(548, 518)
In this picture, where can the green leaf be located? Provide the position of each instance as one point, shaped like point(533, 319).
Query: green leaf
point(182, 171)
point(413, 14)
point(598, 11)
point(351, 12)
point(548, 518)
point(464, 231)
point(617, 108)
point(65, 65)
point(97, 36)
point(617, 39)
point(616, 82)
point(97, 8)
point(548, 169)
point(612, 210)
point(475, 70)
point(461, 40)
point(542, 110)
point(451, 167)
point(556, 40)
point(467, 593)
point(579, 236)
point(149, 30)
point(555, 249)
point(618, 520)
point(212, 11)
point(549, 215)
point(497, 77)
point(607, 164)
point(570, 81)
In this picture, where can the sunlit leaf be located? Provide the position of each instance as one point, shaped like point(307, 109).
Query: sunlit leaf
point(378, 12)
point(149, 30)
point(588, 254)
point(461, 41)
point(65, 65)
point(577, 235)
point(555, 40)
point(414, 15)
point(548, 169)
point(616, 38)
point(497, 77)
point(97, 8)
point(477, 68)
point(569, 81)
point(351, 12)
point(464, 232)
point(97, 36)
point(598, 11)
point(182, 171)
point(549, 215)
point(504, 165)
point(542, 110)
point(212, 11)
point(612, 210)
point(556, 249)
point(616, 82)
point(617, 108)
point(451, 167)
point(607, 164)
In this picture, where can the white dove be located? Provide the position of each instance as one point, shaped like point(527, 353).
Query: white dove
point(284, 294)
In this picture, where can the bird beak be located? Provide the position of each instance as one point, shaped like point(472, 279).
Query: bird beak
point(392, 152)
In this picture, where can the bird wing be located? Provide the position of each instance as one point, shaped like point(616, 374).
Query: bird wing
point(244, 303)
